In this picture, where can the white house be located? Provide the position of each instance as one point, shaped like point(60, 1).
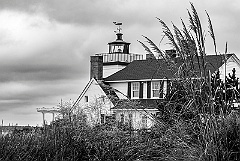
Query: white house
point(119, 75)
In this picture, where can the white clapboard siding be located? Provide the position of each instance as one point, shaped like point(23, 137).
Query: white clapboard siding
point(111, 69)
point(231, 63)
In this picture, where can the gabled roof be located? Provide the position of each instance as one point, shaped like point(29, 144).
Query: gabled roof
point(160, 69)
point(85, 89)
point(109, 91)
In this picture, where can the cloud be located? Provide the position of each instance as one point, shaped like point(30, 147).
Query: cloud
point(47, 48)
point(45, 45)
point(41, 61)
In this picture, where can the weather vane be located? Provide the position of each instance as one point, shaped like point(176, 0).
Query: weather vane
point(119, 26)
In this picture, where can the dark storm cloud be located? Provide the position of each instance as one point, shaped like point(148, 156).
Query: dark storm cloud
point(95, 12)
point(40, 65)
point(82, 11)
point(18, 5)
point(91, 12)
point(21, 96)
point(40, 72)
point(43, 67)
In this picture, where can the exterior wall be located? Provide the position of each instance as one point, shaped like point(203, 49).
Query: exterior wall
point(122, 87)
point(144, 90)
point(164, 88)
point(97, 103)
point(229, 67)
point(111, 69)
point(136, 117)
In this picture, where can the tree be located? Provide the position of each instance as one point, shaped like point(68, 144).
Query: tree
point(224, 93)
point(69, 116)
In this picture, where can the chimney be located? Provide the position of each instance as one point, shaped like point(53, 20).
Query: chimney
point(96, 70)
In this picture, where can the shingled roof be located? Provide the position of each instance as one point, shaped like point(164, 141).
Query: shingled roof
point(136, 104)
point(109, 91)
point(160, 69)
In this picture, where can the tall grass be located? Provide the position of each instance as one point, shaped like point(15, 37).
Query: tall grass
point(190, 108)
point(188, 129)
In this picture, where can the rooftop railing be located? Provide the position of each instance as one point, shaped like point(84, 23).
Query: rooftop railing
point(120, 57)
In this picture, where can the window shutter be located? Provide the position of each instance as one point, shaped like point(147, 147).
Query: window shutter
point(161, 89)
point(148, 89)
point(141, 90)
point(168, 87)
point(129, 90)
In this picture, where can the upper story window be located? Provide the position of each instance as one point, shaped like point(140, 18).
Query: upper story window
point(157, 89)
point(135, 89)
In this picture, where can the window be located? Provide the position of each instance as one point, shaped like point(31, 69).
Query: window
point(86, 98)
point(156, 89)
point(116, 48)
point(114, 116)
point(102, 98)
point(102, 118)
point(122, 118)
point(110, 119)
point(130, 119)
point(144, 121)
point(135, 90)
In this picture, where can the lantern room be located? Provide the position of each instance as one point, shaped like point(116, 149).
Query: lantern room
point(119, 46)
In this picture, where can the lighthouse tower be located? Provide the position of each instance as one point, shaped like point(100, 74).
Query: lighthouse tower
point(117, 58)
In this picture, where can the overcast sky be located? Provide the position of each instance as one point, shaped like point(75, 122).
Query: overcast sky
point(45, 45)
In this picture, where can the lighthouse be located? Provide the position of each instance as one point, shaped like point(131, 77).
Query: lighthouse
point(117, 57)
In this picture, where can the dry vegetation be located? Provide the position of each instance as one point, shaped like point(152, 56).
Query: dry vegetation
point(193, 126)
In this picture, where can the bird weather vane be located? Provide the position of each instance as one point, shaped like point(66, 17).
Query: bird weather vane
point(119, 26)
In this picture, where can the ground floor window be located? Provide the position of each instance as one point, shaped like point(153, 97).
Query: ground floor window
point(102, 118)
point(130, 120)
point(144, 121)
point(122, 118)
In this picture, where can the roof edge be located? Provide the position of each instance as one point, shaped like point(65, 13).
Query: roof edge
point(135, 109)
point(137, 80)
point(86, 88)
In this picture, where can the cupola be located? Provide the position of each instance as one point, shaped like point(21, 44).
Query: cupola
point(117, 57)
point(119, 46)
